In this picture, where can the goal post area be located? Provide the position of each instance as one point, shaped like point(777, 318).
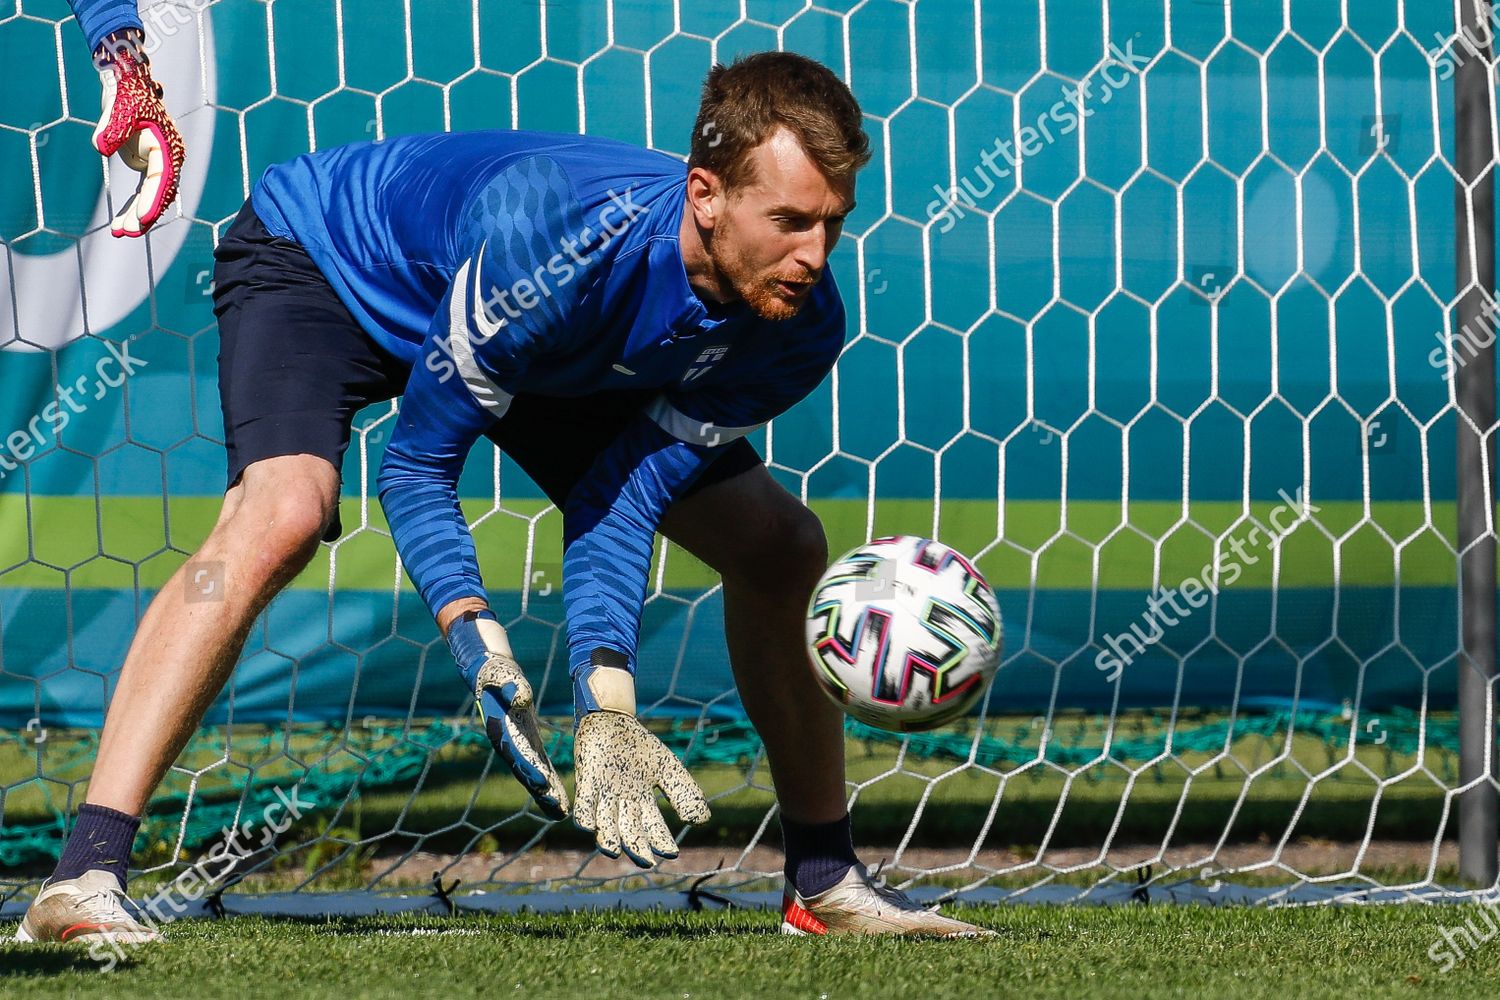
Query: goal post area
point(1154, 311)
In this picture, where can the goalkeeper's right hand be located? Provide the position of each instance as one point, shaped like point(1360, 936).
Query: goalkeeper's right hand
point(488, 666)
point(134, 122)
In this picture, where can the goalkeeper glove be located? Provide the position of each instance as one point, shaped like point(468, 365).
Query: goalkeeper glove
point(482, 651)
point(134, 123)
point(619, 767)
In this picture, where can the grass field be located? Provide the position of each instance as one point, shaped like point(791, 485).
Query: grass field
point(1042, 952)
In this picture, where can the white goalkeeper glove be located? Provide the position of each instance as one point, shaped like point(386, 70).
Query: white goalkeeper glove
point(482, 651)
point(619, 766)
point(134, 122)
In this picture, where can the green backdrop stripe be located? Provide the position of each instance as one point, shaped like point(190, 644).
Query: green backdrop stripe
point(70, 542)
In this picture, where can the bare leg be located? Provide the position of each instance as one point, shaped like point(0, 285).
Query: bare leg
point(770, 560)
point(184, 651)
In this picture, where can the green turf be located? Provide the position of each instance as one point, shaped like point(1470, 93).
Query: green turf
point(1069, 953)
point(83, 542)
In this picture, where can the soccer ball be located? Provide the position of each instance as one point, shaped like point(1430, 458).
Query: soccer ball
point(903, 633)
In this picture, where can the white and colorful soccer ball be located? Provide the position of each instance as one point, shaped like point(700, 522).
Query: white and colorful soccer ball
point(904, 633)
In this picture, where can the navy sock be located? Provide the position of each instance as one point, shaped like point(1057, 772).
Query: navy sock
point(101, 838)
point(817, 854)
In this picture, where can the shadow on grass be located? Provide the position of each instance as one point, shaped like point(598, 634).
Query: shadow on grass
point(540, 926)
point(32, 961)
point(676, 932)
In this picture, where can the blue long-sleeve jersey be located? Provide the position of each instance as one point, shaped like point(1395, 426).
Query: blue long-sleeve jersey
point(506, 262)
point(98, 18)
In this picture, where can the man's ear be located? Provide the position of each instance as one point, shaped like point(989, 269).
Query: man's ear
point(705, 194)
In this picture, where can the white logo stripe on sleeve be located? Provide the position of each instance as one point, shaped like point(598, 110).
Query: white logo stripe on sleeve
point(489, 395)
point(687, 429)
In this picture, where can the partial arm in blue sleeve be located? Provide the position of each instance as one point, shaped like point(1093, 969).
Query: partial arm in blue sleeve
point(450, 401)
point(608, 529)
point(611, 518)
point(101, 18)
point(472, 362)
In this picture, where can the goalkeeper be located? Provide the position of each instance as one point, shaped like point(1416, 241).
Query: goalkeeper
point(615, 322)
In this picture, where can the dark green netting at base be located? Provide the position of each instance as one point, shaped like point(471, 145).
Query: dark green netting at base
point(344, 764)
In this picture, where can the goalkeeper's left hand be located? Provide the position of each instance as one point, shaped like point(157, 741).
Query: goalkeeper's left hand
point(134, 122)
point(619, 766)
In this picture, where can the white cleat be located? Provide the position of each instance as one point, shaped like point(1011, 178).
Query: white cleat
point(860, 904)
point(87, 908)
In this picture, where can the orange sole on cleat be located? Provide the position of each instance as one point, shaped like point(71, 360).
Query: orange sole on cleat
point(796, 920)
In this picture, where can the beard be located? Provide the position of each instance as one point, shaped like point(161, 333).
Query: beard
point(762, 292)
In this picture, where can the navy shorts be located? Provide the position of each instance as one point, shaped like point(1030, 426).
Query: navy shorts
point(295, 367)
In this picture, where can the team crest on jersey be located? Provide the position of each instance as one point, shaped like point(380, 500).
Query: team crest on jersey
point(706, 360)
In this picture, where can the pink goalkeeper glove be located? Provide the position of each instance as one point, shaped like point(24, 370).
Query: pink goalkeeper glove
point(134, 123)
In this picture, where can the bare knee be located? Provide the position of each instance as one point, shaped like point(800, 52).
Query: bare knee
point(783, 552)
point(283, 510)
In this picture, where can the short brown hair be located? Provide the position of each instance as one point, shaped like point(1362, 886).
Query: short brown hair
point(746, 102)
